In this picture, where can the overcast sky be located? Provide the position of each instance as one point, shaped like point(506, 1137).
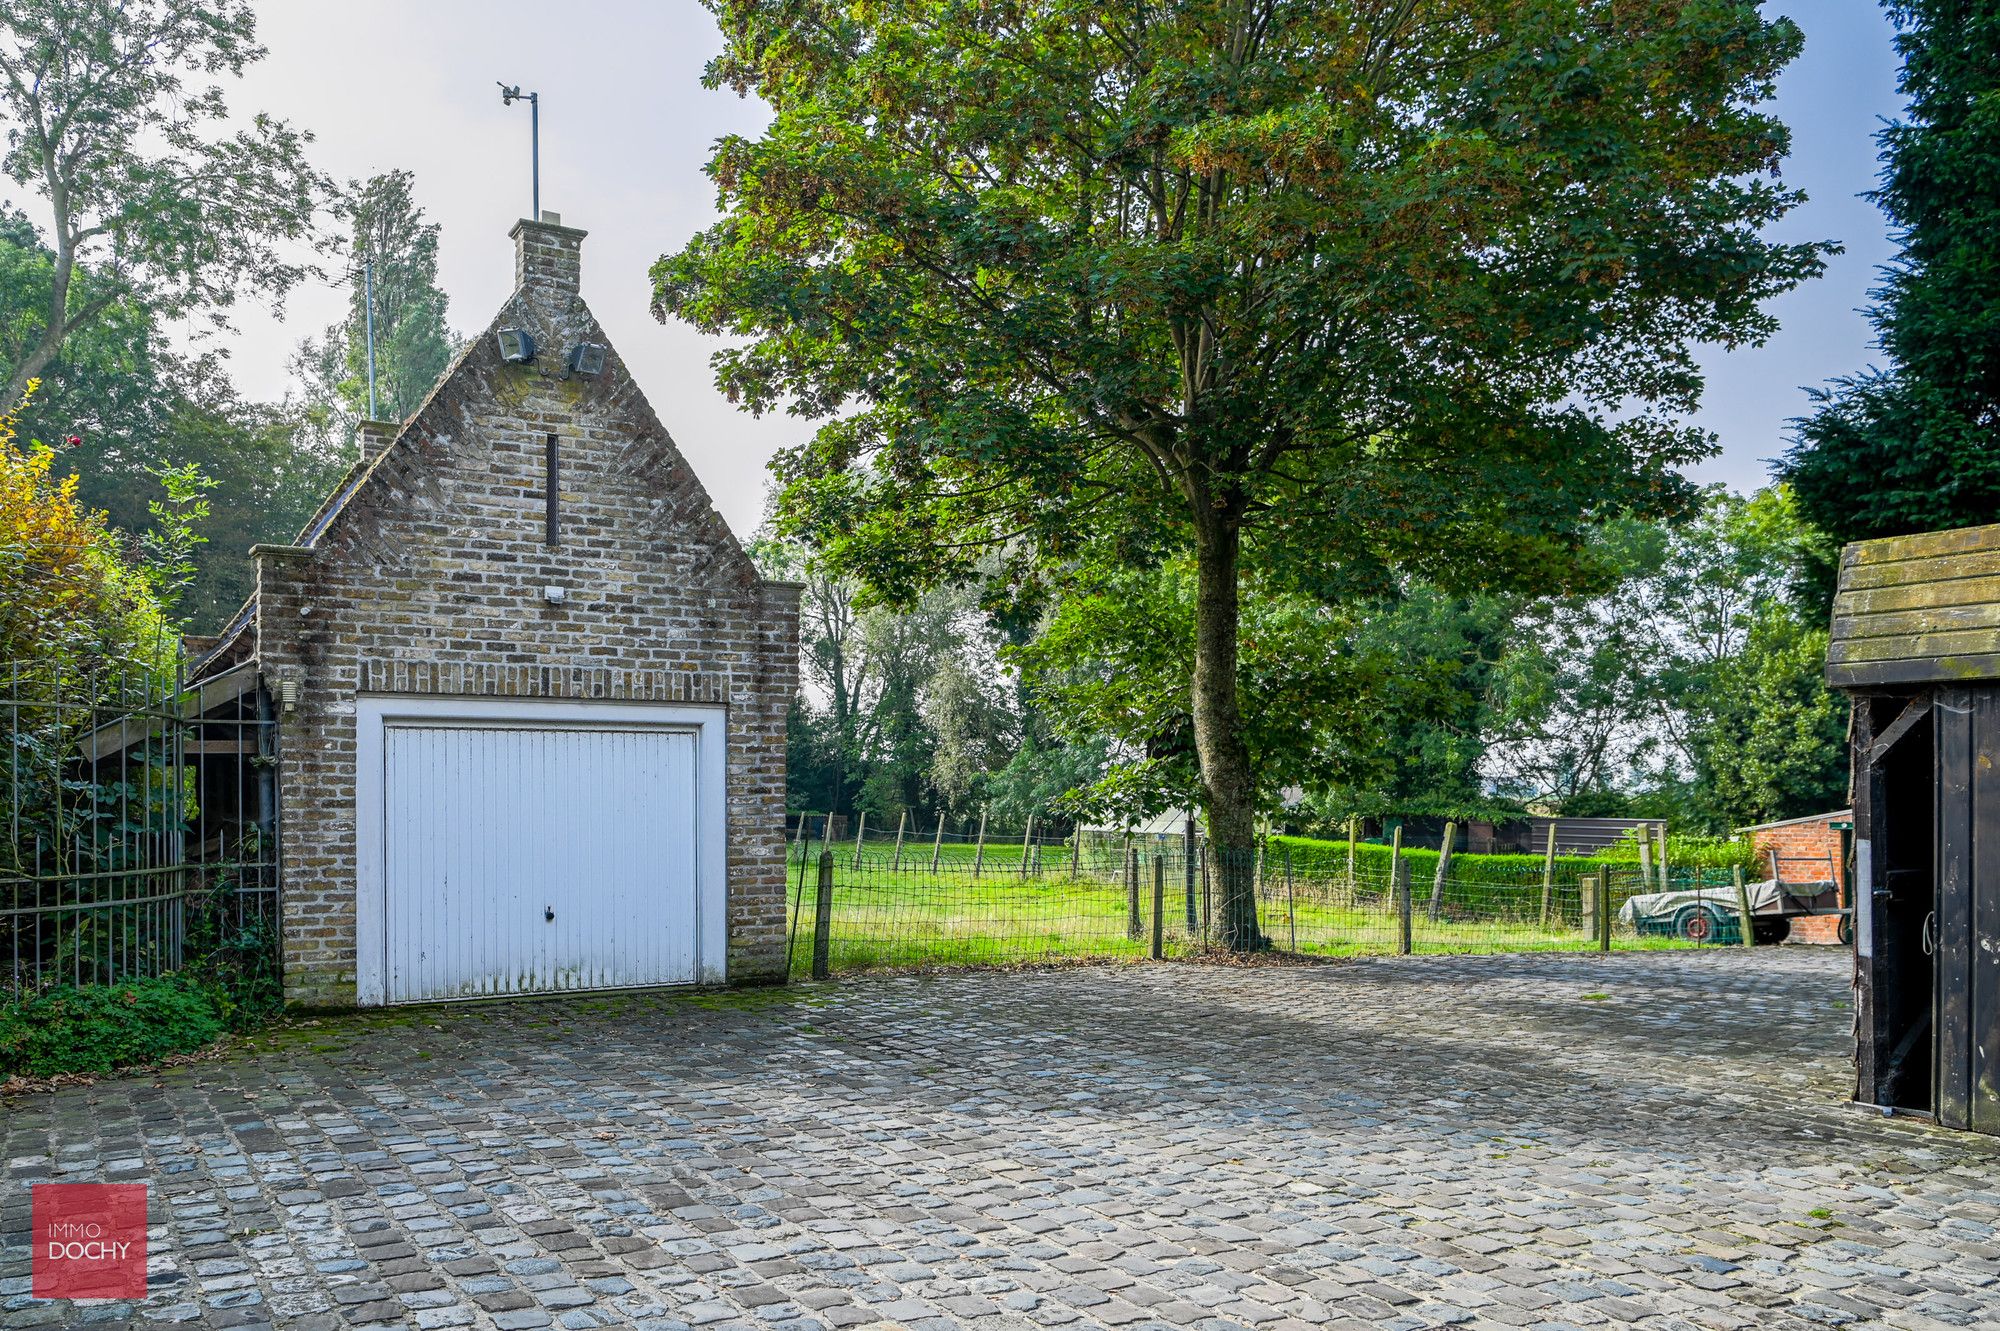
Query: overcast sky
point(626, 126)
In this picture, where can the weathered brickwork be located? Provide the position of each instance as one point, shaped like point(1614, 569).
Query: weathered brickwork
point(426, 574)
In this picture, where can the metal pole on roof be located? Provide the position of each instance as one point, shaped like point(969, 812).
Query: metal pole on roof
point(368, 310)
point(508, 96)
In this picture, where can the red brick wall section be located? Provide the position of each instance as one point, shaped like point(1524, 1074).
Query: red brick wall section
point(431, 581)
point(1808, 852)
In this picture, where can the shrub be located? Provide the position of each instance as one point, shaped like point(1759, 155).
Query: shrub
point(103, 1027)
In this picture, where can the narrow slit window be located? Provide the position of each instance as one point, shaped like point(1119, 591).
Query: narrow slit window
point(553, 516)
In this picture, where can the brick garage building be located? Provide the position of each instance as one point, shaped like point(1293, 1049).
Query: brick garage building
point(1801, 853)
point(531, 692)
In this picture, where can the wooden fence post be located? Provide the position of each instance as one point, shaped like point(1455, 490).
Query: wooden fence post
point(1587, 892)
point(1135, 927)
point(823, 918)
point(1159, 906)
point(1604, 915)
point(979, 851)
point(937, 842)
point(1076, 850)
point(1353, 829)
point(1743, 907)
point(1399, 888)
point(1645, 859)
point(799, 837)
point(1548, 873)
point(860, 830)
point(1027, 839)
point(1291, 899)
point(1666, 884)
point(902, 825)
point(1444, 867)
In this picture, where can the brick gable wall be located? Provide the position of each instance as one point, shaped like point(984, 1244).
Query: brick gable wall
point(430, 577)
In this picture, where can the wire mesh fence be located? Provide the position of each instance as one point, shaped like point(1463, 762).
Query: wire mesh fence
point(960, 899)
point(140, 829)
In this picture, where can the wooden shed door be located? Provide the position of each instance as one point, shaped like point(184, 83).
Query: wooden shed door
point(532, 858)
point(1967, 929)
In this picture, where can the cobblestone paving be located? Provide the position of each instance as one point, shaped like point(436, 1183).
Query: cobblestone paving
point(1549, 1141)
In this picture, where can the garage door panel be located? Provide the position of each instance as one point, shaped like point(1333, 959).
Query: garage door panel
point(523, 859)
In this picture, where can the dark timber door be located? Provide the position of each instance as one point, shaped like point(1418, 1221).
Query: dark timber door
point(1967, 929)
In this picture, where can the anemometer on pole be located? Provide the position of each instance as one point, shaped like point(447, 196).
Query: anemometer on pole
point(509, 96)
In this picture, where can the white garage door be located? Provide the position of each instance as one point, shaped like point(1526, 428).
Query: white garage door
point(533, 857)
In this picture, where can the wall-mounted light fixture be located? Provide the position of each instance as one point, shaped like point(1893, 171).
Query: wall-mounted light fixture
point(517, 346)
point(586, 360)
point(288, 694)
point(555, 595)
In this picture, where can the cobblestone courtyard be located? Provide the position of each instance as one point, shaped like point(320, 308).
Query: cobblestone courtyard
point(1559, 1140)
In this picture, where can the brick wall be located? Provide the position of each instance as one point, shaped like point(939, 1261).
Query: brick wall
point(430, 578)
point(1807, 852)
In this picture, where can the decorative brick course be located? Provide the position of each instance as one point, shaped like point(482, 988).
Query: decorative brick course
point(425, 574)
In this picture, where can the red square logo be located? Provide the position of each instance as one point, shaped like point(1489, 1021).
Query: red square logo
point(90, 1241)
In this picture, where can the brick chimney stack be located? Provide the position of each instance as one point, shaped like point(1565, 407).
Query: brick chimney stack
point(548, 256)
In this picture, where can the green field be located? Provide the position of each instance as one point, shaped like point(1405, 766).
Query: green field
point(884, 917)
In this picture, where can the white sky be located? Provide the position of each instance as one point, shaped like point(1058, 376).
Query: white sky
point(626, 127)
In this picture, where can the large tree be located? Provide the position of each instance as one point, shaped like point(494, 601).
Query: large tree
point(111, 120)
point(1339, 291)
point(1910, 447)
point(392, 256)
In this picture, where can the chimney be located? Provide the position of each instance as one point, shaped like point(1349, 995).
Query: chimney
point(547, 256)
point(375, 436)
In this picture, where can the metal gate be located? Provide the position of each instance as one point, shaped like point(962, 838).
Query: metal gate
point(141, 821)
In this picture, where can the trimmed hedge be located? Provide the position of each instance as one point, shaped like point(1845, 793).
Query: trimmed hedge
point(1313, 857)
point(103, 1027)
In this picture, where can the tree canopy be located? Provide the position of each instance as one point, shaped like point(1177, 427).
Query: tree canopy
point(1910, 446)
point(1342, 292)
point(413, 344)
point(112, 122)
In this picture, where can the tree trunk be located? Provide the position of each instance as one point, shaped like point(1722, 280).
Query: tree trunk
point(59, 326)
point(1218, 732)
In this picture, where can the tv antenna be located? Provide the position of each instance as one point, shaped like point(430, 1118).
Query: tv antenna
point(509, 96)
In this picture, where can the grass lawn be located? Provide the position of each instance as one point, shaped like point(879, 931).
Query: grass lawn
point(884, 918)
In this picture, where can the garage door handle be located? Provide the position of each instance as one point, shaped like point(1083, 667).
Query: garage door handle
point(549, 913)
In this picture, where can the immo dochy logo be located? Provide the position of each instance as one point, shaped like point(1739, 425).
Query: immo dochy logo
point(90, 1241)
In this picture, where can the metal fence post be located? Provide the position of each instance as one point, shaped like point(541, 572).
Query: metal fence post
point(1399, 887)
point(823, 917)
point(1159, 907)
point(1202, 852)
point(1188, 872)
point(1743, 907)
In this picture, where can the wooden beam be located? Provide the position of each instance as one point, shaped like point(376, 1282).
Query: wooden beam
point(1919, 707)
